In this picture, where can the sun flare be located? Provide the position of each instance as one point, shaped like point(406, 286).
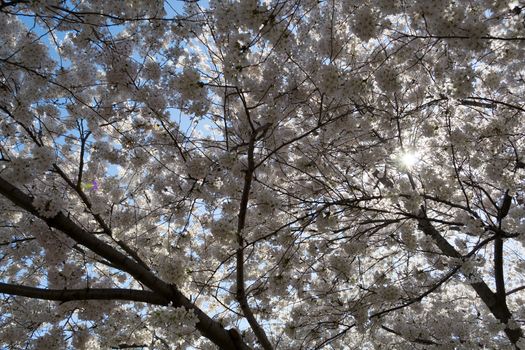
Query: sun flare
point(409, 158)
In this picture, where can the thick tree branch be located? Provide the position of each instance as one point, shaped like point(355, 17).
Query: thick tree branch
point(241, 292)
point(499, 275)
point(64, 295)
point(497, 306)
point(209, 328)
point(498, 309)
point(78, 189)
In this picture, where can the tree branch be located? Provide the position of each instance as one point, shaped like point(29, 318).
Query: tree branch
point(464, 37)
point(64, 295)
point(241, 292)
point(499, 310)
point(517, 289)
point(98, 218)
point(420, 297)
point(416, 340)
point(209, 328)
point(6, 4)
point(499, 275)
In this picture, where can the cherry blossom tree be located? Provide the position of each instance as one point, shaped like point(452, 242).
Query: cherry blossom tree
point(279, 174)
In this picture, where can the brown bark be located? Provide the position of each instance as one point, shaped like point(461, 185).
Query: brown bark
point(209, 328)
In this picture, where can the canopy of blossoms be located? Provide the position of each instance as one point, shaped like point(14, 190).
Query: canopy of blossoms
point(278, 174)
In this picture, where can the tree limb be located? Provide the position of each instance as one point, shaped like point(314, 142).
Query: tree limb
point(499, 310)
point(417, 340)
point(209, 328)
point(241, 292)
point(64, 295)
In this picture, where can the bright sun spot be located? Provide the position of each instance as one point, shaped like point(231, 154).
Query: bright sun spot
point(409, 159)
